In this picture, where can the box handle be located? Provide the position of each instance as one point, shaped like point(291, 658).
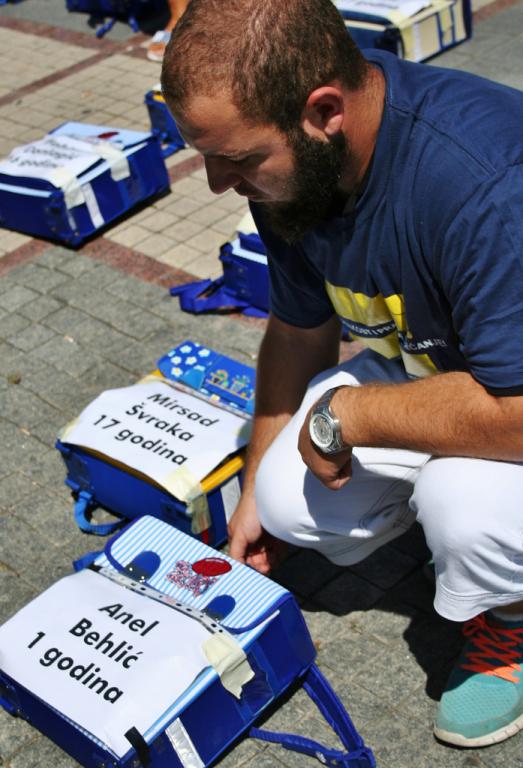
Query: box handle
point(83, 504)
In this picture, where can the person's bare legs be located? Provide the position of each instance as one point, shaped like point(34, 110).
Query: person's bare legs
point(157, 46)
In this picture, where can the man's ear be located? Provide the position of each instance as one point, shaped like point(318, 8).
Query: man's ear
point(324, 112)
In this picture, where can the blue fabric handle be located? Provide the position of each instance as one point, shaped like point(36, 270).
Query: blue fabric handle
point(81, 507)
point(206, 296)
point(321, 693)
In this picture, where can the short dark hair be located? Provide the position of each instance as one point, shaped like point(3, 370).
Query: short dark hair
point(267, 54)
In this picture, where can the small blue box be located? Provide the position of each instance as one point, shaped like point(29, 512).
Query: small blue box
point(245, 271)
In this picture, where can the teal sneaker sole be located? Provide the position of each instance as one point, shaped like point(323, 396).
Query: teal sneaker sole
point(459, 740)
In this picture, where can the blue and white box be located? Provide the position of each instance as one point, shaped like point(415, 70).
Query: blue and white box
point(160, 654)
point(77, 179)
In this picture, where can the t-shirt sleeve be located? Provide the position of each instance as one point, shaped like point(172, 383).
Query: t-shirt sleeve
point(297, 288)
point(482, 276)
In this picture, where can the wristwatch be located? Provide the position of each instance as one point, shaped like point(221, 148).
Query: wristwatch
point(324, 427)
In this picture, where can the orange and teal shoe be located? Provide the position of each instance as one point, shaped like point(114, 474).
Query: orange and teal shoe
point(483, 701)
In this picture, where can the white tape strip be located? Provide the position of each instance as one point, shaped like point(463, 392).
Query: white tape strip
point(92, 206)
point(183, 745)
point(64, 179)
point(118, 162)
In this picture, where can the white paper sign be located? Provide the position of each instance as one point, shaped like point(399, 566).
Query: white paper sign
point(159, 430)
point(42, 158)
point(107, 658)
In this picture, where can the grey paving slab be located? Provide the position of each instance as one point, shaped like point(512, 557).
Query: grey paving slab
point(16, 297)
point(49, 513)
point(386, 567)
point(12, 323)
point(39, 308)
point(137, 323)
point(31, 337)
point(347, 592)
point(66, 319)
point(39, 753)
point(243, 753)
point(306, 572)
point(39, 568)
point(14, 488)
point(43, 466)
point(95, 334)
point(66, 354)
point(37, 278)
point(103, 375)
point(145, 295)
point(46, 432)
point(26, 409)
point(15, 734)
point(54, 387)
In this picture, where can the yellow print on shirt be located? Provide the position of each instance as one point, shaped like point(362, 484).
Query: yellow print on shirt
point(377, 321)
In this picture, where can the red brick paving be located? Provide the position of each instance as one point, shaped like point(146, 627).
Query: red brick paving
point(80, 39)
point(185, 168)
point(492, 8)
point(134, 263)
point(21, 255)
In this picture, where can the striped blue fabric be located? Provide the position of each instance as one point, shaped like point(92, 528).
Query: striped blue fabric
point(254, 594)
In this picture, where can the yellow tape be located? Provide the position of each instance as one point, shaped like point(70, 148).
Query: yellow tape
point(65, 431)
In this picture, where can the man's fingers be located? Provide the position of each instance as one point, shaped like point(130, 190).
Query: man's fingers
point(237, 548)
point(259, 561)
point(334, 477)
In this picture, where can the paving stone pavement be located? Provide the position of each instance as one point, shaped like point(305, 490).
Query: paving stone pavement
point(73, 323)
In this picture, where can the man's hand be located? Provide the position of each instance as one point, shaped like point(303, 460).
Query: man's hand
point(249, 542)
point(333, 470)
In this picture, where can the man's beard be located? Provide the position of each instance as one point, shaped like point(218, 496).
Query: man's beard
point(313, 186)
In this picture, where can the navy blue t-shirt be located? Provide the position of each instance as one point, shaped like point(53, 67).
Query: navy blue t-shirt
point(429, 263)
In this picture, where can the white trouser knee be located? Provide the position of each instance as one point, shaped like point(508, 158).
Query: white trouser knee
point(471, 512)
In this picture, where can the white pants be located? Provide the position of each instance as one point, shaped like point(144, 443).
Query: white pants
point(471, 510)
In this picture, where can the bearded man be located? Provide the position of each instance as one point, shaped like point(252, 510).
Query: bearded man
point(390, 196)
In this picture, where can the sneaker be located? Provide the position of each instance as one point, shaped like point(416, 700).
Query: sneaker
point(157, 45)
point(483, 700)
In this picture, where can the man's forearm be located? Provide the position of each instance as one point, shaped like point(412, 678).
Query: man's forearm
point(449, 414)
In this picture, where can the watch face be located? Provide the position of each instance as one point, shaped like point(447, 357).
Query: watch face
point(321, 430)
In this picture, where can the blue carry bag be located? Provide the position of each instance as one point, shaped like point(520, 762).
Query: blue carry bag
point(161, 653)
point(244, 286)
point(125, 10)
point(78, 179)
point(97, 479)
